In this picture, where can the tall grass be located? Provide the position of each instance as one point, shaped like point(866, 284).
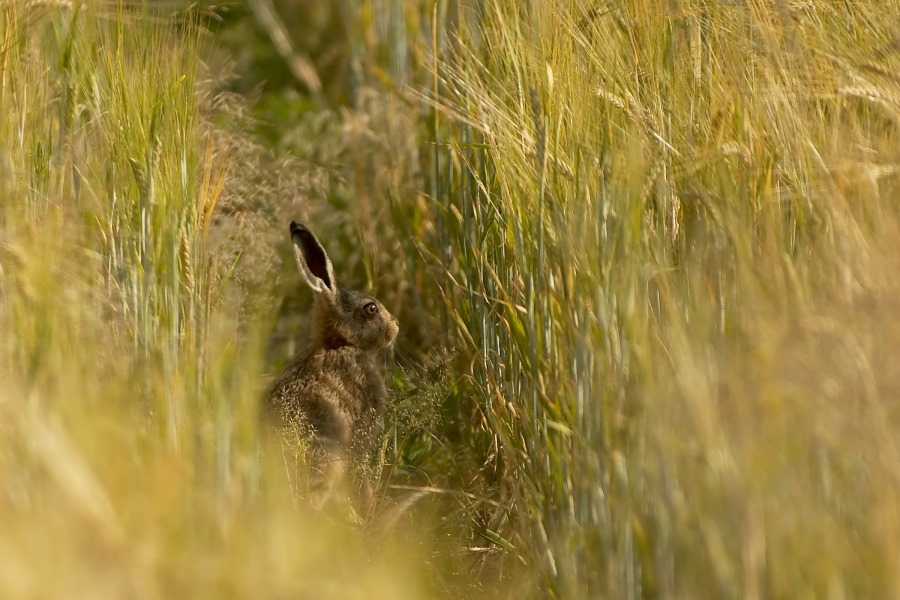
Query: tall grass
point(670, 239)
point(129, 457)
point(663, 239)
point(657, 243)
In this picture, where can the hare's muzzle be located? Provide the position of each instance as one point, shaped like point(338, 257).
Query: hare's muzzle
point(393, 328)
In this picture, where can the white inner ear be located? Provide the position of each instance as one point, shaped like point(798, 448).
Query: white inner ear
point(313, 281)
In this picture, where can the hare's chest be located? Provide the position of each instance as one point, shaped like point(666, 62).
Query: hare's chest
point(361, 391)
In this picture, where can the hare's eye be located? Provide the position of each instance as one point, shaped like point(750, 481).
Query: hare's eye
point(371, 308)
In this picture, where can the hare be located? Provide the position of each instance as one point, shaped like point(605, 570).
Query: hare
point(333, 389)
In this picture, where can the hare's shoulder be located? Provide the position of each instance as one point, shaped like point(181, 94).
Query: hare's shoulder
point(325, 382)
point(305, 394)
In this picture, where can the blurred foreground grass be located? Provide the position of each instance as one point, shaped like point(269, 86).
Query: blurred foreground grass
point(660, 244)
point(128, 452)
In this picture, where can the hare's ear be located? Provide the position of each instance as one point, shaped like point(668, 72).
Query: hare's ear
point(313, 261)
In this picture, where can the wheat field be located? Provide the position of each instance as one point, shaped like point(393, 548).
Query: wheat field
point(645, 258)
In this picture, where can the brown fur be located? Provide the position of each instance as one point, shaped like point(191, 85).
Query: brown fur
point(333, 389)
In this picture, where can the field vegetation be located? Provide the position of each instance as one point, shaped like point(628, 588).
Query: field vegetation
point(645, 257)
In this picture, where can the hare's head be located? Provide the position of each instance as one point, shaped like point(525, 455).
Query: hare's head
point(343, 317)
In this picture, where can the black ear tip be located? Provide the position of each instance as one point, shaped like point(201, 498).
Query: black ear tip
point(296, 227)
